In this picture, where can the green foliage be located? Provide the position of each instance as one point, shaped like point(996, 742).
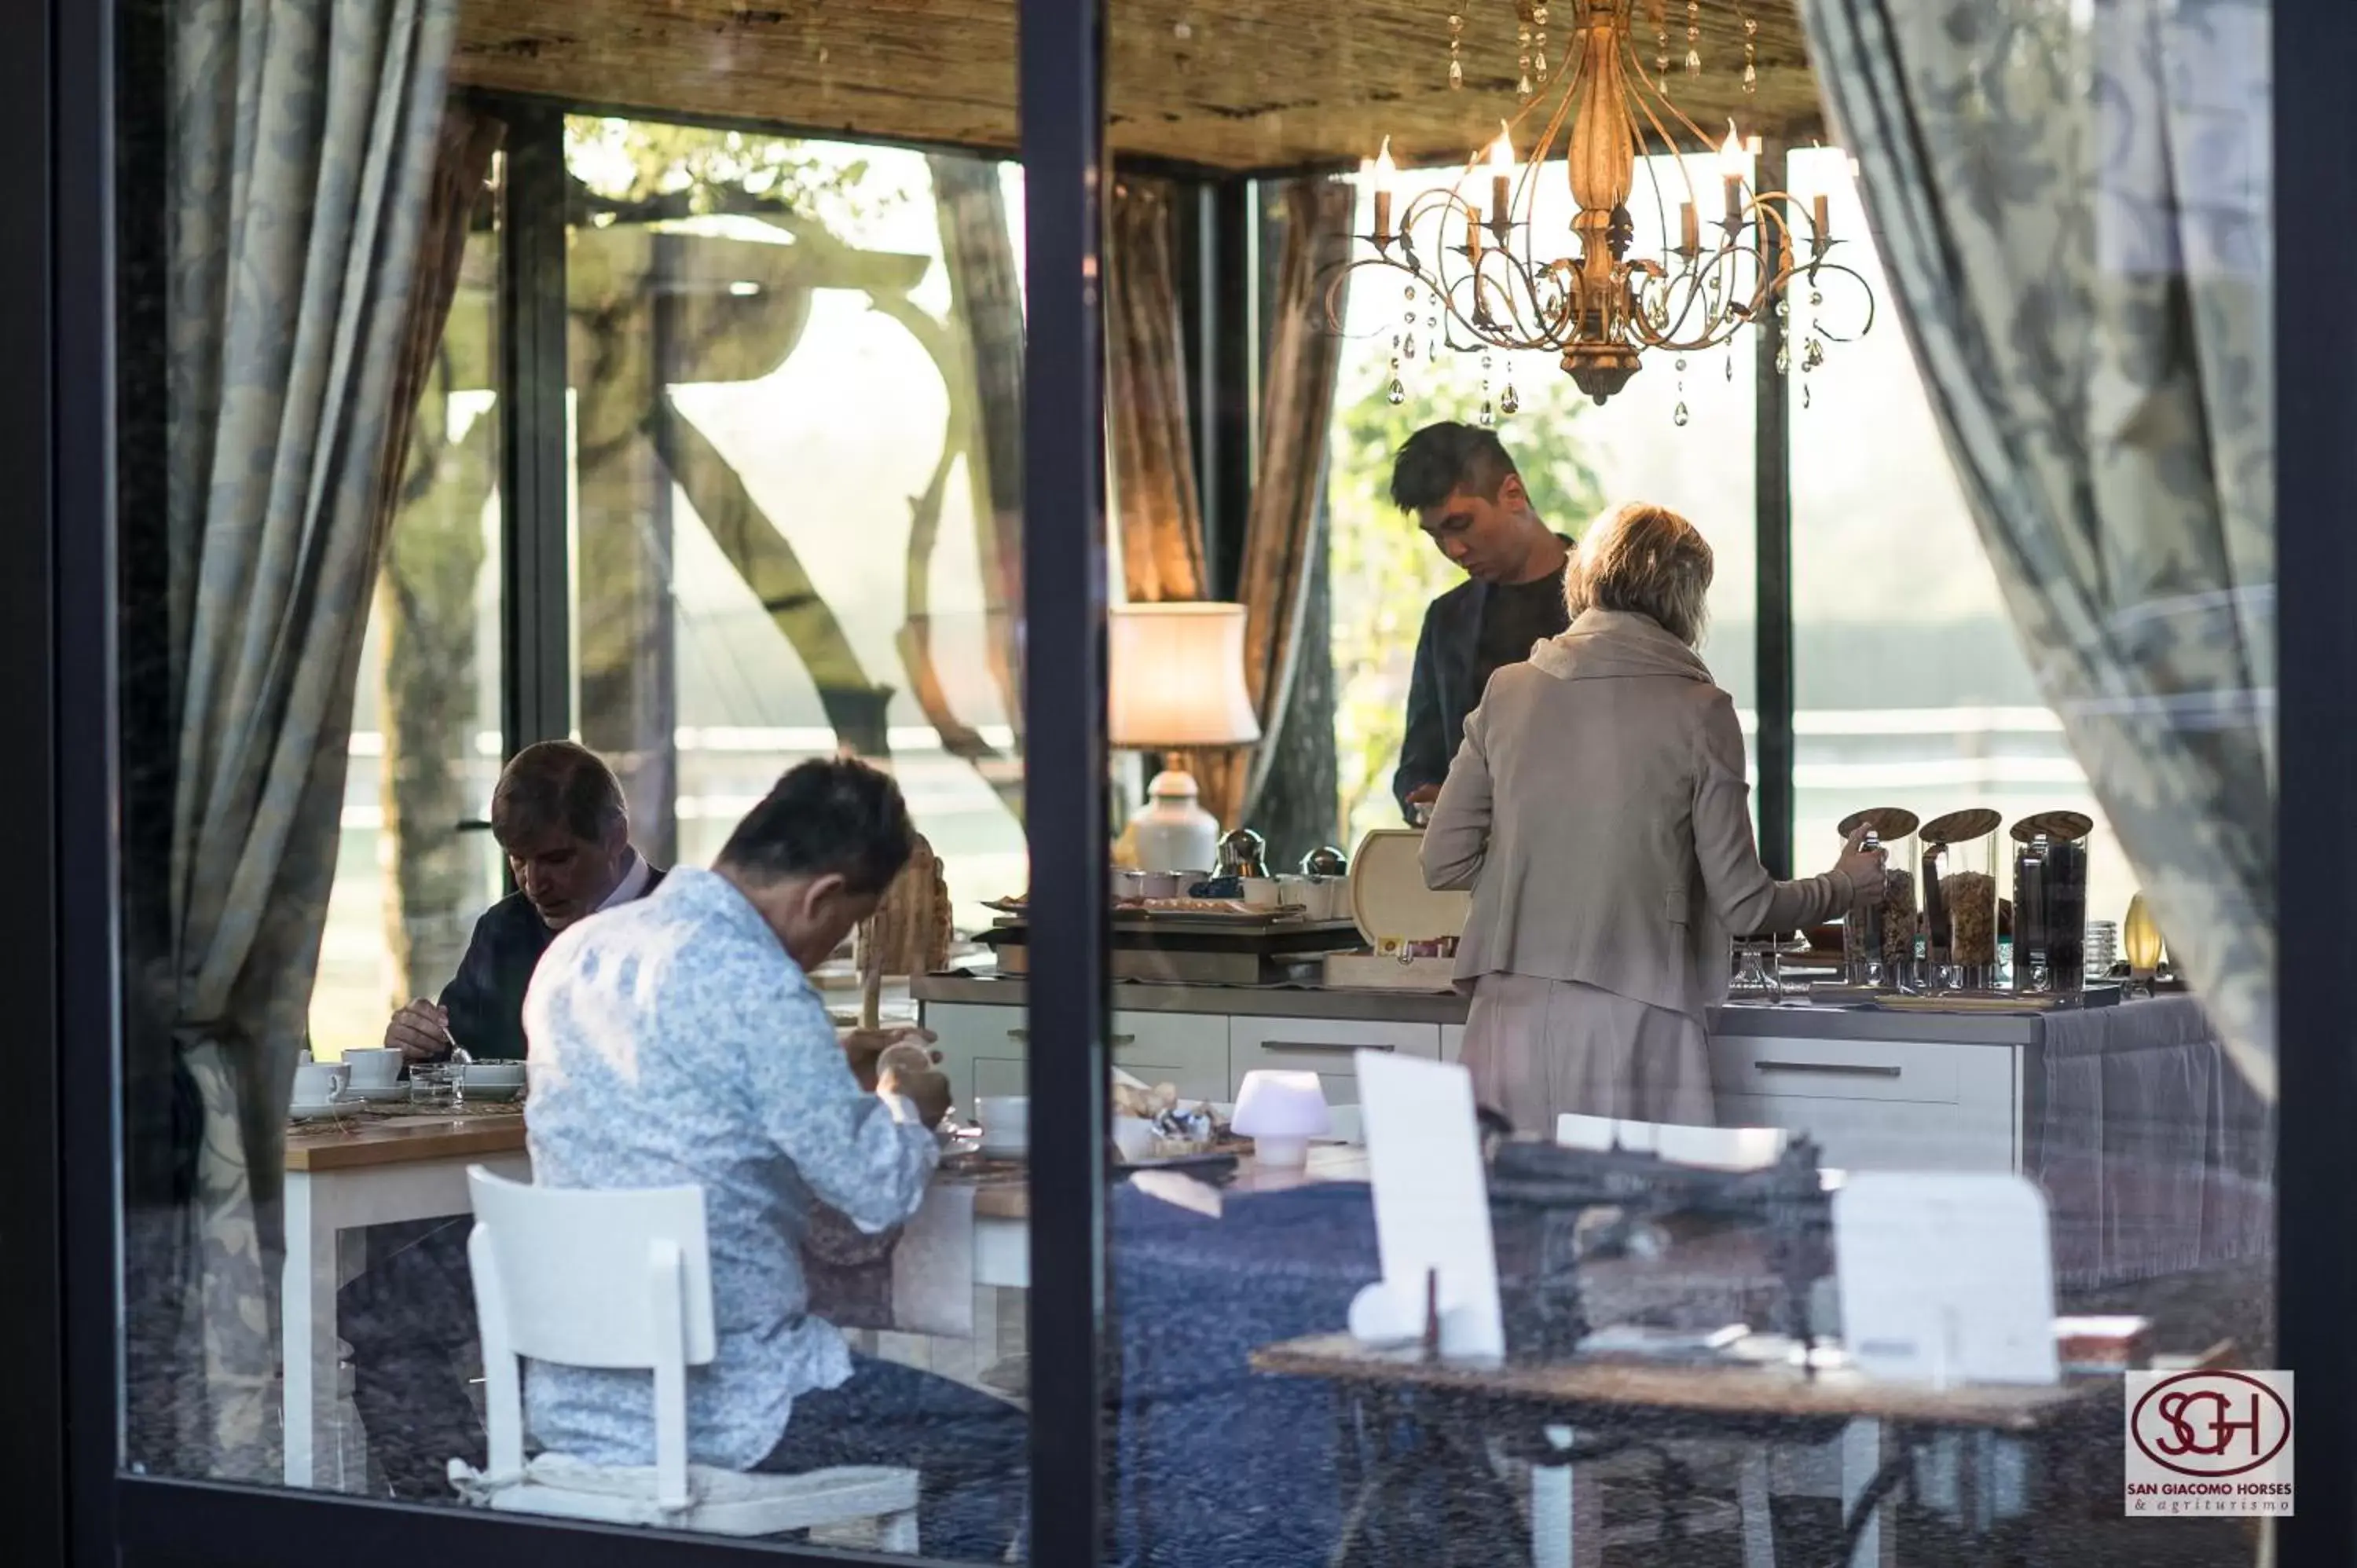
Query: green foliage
point(1384, 570)
point(692, 171)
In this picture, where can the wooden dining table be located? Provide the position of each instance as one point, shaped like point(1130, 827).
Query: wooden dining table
point(342, 1176)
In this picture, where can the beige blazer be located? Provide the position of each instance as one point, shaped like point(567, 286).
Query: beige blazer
point(1598, 809)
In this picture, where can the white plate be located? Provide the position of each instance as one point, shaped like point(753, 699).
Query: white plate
point(493, 1093)
point(317, 1112)
point(383, 1094)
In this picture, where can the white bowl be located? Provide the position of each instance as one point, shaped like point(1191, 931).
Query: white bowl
point(492, 1075)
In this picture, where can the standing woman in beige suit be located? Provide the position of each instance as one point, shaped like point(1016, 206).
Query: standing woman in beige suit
point(1598, 809)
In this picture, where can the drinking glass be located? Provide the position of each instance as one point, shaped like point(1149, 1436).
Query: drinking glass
point(433, 1084)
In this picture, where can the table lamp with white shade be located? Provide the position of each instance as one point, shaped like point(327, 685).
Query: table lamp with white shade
point(1177, 682)
point(1280, 1112)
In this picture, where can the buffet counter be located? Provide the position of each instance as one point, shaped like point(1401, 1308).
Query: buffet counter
point(1953, 1091)
point(2155, 1155)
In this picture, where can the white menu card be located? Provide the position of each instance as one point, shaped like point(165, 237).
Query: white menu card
point(1432, 1205)
point(1945, 1278)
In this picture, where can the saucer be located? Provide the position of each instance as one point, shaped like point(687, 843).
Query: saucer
point(377, 1094)
point(327, 1112)
point(491, 1093)
point(1005, 1148)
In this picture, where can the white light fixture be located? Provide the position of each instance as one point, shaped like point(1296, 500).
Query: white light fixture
point(1280, 1112)
point(1178, 681)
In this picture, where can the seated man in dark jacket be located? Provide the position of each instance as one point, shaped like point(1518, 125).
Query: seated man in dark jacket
point(558, 815)
point(1461, 487)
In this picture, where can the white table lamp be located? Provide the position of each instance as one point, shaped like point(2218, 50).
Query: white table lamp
point(1178, 681)
point(1280, 1112)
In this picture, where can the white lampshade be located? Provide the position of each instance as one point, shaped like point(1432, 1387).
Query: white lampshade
point(1280, 1112)
point(1178, 677)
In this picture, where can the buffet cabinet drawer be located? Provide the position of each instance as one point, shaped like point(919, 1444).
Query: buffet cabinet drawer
point(1853, 1069)
point(1876, 1104)
point(1884, 1134)
point(984, 1049)
point(1322, 1046)
point(1187, 1050)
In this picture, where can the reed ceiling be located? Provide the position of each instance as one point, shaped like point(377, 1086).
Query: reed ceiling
point(1227, 84)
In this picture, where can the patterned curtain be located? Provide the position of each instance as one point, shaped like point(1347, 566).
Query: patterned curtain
point(2073, 201)
point(1154, 495)
point(312, 178)
point(1153, 469)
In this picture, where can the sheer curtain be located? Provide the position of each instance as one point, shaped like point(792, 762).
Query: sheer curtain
point(2072, 199)
point(311, 166)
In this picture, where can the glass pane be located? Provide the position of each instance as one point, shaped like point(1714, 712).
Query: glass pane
point(563, 549)
point(791, 542)
point(1918, 698)
point(1375, 1338)
point(785, 543)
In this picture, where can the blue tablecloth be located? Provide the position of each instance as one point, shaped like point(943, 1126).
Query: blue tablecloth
point(1215, 1464)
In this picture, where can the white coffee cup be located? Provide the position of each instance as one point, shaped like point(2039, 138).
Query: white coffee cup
point(373, 1068)
point(1005, 1122)
point(318, 1083)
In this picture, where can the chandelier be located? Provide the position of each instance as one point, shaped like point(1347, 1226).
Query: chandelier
point(1493, 280)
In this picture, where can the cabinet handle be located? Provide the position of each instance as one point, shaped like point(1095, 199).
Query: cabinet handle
point(1327, 1048)
point(1830, 1069)
point(1116, 1041)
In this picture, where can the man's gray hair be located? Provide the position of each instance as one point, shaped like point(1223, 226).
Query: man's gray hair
point(1644, 560)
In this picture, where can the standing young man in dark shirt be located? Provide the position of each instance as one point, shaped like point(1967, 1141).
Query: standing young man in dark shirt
point(1463, 490)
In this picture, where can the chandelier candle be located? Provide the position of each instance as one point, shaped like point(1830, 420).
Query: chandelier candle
point(1502, 182)
point(1730, 153)
point(1386, 175)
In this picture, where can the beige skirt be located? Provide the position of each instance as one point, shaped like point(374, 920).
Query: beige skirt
point(1540, 1048)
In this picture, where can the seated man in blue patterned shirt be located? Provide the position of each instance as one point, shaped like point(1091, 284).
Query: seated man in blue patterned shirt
point(677, 1040)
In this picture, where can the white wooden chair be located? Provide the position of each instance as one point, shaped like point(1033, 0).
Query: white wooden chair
point(622, 1279)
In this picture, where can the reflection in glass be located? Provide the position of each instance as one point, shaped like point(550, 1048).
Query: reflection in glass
point(792, 527)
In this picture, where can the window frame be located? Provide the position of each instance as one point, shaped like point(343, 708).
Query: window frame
point(64, 386)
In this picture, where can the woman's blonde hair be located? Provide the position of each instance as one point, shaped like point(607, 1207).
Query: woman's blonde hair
point(1648, 561)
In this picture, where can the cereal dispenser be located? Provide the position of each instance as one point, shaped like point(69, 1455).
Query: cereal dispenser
point(2049, 901)
point(1879, 933)
point(1959, 892)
